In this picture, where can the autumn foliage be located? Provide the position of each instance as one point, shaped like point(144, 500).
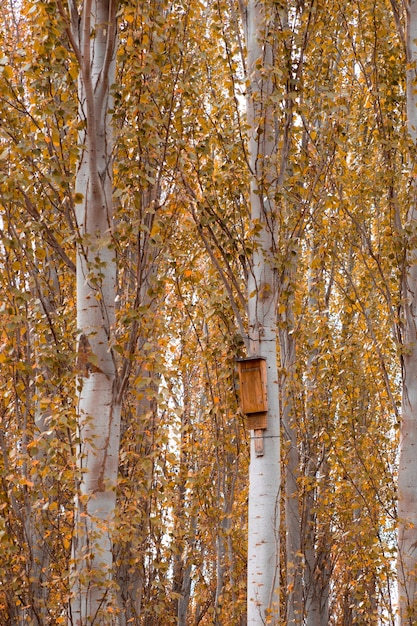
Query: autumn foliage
point(182, 241)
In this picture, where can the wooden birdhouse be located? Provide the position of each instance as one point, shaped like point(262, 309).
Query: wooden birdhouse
point(253, 391)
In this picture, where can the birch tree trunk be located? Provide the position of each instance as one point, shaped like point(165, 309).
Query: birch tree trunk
point(264, 471)
point(93, 36)
point(407, 472)
point(291, 461)
point(316, 537)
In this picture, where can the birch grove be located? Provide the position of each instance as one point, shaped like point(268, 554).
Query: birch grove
point(183, 187)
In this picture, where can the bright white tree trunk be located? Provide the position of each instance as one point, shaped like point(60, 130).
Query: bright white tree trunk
point(93, 36)
point(407, 490)
point(264, 472)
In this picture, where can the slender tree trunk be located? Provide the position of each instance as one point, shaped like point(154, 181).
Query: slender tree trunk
point(316, 539)
point(407, 494)
point(220, 566)
point(36, 526)
point(93, 36)
point(131, 556)
point(317, 563)
point(264, 471)
point(294, 565)
point(184, 601)
point(181, 565)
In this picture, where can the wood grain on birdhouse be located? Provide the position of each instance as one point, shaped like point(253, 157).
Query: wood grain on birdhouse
point(253, 391)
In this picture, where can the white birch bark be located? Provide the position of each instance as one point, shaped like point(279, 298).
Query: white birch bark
point(407, 490)
point(93, 36)
point(264, 472)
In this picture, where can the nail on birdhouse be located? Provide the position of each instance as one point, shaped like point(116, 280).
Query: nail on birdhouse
point(253, 391)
